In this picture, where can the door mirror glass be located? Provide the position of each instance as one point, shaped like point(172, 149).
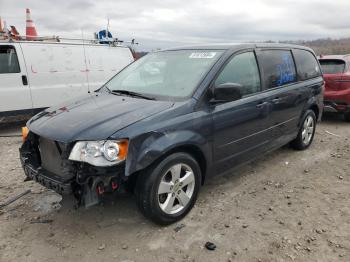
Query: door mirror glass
point(228, 92)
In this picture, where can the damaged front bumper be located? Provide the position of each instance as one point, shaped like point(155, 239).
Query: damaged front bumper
point(47, 163)
point(48, 181)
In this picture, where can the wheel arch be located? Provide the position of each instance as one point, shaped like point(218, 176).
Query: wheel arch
point(316, 110)
point(315, 106)
point(191, 149)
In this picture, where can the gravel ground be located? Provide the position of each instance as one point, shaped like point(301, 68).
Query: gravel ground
point(286, 206)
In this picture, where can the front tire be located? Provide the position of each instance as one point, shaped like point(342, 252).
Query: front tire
point(167, 191)
point(306, 132)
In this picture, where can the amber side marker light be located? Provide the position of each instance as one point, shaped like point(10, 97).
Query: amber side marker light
point(25, 132)
point(123, 149)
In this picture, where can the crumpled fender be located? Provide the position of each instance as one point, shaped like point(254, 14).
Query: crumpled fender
point(147, 148)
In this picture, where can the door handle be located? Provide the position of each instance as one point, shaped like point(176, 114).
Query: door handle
point(276, 100)
point(261, 105)
point(24, 80)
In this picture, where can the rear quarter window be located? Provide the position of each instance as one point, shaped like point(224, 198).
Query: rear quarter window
point(332, 66)
point(278, 67)
point(307, 65)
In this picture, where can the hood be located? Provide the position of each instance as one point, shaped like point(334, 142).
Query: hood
point(95, 117)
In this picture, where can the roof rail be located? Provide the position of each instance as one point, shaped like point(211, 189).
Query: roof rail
point(112, 41)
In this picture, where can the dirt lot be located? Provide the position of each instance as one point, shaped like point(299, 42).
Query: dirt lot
point(286, 206)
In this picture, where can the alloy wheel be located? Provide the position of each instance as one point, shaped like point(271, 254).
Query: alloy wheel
point(176, 188)
point(308, 130)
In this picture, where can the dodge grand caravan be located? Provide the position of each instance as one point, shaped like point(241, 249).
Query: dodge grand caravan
point(173, 119)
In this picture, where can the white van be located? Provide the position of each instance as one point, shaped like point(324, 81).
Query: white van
point(37, 75)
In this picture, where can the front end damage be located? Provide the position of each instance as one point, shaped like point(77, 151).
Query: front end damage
point(46, 162)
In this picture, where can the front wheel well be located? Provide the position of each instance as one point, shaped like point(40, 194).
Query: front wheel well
point(192, 150)
point(196, 153)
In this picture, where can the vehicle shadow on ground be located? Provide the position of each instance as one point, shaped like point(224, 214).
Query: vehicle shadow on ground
point(333, 118)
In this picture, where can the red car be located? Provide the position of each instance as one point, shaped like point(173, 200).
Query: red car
point(336, 72)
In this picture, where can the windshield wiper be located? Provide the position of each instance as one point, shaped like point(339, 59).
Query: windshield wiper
point(131, 93)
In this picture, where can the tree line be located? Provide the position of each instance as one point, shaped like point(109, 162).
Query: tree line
point(326, 46)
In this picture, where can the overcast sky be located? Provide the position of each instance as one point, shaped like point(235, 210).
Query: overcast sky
point(165, 23)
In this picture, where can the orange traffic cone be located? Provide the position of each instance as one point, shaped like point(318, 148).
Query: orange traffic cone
point(14, 32)
point(30, 28)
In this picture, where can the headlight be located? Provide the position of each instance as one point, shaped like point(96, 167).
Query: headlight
point(100, 153)
point(111, 150)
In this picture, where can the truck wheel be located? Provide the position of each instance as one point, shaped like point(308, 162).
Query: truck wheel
point(347, 117)
point(306, 132)
point(166, 192)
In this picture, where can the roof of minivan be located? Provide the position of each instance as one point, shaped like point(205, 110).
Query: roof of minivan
point(235, 46)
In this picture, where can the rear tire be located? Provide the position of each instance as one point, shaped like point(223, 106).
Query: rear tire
point(347, 117)
point(306, 132)
point(168, 190)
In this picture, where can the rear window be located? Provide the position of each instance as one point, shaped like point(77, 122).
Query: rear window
point(332, 66)
point(8, 60)
point(278, 67)
point(307, 64)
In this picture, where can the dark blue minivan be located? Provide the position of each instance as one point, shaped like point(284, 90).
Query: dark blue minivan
point(173, 119)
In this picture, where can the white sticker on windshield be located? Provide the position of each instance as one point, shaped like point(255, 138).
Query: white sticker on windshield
point(203, 55)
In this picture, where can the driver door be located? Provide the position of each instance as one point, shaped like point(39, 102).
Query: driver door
point(240, 127)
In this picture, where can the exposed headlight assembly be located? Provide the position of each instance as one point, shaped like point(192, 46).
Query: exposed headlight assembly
point(100, 153)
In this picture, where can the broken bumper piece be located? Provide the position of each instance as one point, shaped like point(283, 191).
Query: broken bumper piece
point(46, 162)
point(61, 187)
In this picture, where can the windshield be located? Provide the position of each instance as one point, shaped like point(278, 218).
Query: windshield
point(332, 66)
point(165, 74)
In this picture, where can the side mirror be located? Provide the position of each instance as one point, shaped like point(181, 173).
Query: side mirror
point(227, 92)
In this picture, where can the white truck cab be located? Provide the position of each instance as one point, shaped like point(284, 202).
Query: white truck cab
point(35, 75)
